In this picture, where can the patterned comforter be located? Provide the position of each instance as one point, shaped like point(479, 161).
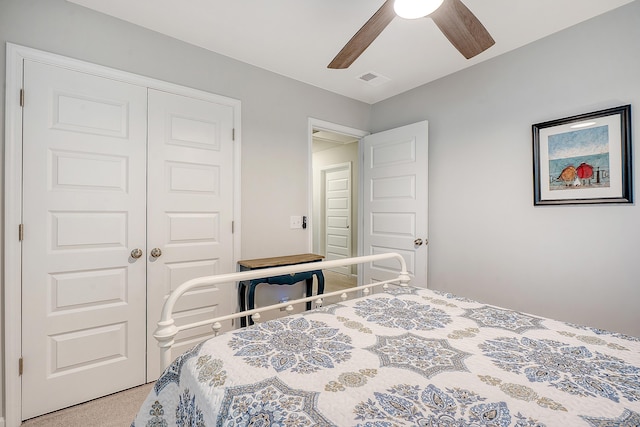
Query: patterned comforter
point(404, 357)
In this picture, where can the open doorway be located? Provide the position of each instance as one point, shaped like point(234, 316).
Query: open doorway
point(335, 213)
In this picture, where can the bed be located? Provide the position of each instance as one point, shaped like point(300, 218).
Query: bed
point(397, 356)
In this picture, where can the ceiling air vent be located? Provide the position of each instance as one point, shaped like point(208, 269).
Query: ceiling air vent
point(373, 79)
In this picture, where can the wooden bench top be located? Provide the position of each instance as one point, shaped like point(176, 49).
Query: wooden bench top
point(278, 261)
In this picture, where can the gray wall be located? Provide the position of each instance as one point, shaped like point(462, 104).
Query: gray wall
point(487, 241)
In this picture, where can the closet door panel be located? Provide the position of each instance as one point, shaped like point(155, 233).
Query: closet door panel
point(190, 211)
point(83, 295)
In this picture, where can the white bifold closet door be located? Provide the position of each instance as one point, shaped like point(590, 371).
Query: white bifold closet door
point(189, 208)
point(110, 168)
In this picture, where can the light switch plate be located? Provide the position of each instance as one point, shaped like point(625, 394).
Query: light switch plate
point(295, 222)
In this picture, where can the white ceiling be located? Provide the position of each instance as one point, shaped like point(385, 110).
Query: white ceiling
point(298, 38)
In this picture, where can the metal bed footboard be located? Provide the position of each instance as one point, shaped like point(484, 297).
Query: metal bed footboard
point(167, 329)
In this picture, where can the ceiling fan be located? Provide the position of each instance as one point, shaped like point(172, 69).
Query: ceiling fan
point(465, 32)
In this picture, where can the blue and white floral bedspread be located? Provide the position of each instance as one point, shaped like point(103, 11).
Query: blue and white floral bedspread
point(405, 357)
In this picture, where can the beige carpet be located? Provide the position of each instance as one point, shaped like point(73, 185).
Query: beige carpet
point(337, 282)
point(119, 409)
point(116, 410)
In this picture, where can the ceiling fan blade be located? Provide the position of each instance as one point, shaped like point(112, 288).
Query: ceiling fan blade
point(364, 37)
point(465, 32)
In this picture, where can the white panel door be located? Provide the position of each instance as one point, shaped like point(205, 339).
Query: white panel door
point(83, 295)
point(190, 212)
point(337, 218)
point(395, 201)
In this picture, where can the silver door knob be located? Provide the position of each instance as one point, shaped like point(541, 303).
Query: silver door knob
point(417, 242)
point(136, 253)
point(156, 252)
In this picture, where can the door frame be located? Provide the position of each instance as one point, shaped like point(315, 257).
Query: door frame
point(317, 124)
point(12, 254)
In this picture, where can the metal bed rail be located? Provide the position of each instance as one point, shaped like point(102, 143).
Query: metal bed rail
point(167, 330)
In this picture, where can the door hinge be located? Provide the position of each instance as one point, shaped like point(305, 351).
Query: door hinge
point(22, 97)
point(233, 134)
point(21, 232)
point(20, 366)
point(233, 227)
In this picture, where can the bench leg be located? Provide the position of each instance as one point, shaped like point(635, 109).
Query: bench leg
point(309, 283)
point(320, 277)
point(242, 297)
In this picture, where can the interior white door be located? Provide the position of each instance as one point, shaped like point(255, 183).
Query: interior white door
point(83, 294)
point(190, 214)
point(337, 218)
point(395, 201)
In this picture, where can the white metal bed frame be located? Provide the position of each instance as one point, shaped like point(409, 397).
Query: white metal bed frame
point(167, 329)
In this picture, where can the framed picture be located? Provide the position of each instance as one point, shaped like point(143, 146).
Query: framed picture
point(583, 159)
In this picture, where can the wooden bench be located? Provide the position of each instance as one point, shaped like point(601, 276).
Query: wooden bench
point(247, 289)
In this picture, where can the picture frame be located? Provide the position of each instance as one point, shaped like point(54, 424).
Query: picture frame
point(583, 159)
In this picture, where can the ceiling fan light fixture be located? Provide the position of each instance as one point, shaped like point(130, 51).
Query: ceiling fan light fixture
point(413, 9)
